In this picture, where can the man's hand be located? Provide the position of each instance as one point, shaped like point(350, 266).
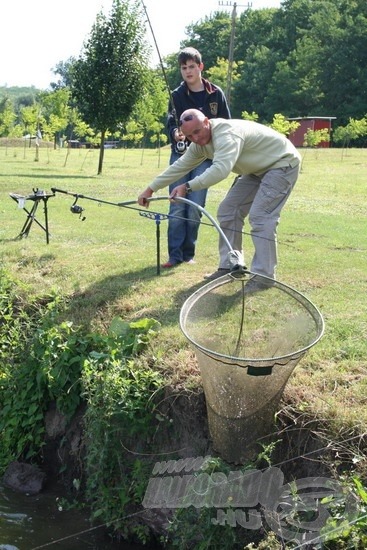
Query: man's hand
point(143, 198)
point(179, 191)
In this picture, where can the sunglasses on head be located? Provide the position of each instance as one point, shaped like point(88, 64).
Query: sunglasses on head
point(186, 118)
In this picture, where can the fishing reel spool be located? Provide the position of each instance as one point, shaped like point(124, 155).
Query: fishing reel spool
point(77, 209)
point(181, 146)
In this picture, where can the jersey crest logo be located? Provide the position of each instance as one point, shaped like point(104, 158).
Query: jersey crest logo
point(213, 108)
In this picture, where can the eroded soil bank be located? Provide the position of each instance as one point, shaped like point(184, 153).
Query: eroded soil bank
point(300, 451)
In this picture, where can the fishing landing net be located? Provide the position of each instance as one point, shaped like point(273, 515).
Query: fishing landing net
point(247, 345)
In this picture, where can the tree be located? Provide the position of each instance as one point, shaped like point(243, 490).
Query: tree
point(219, 73)
point(30, 119)
point(211, 37)
point(63, 70)
point(305, 58)
point(152, 108)
point(282, 125)
point(313, 138)
point(250, 116)
point(344, 55)
point(7, 117)
point(109, 76)
point(250, 91)
point(148, 115)
point(352, 131)
point(56, 111)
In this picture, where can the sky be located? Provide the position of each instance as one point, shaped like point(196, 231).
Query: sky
point(36, 35)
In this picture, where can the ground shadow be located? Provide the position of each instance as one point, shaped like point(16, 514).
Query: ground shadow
point(90, 304)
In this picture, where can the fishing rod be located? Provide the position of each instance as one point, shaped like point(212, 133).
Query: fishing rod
point(77, 209)
point(235, 257)
point(180, 145)
point(156, 216)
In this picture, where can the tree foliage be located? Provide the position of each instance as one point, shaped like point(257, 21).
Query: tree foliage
point(282, 125)
point(149, 111)
point(108, 77)
point(313, 138)
point(307, 58)
point(7, 116)
point(354, 130)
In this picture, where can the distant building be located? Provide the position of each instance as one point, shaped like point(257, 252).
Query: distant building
point(74, 143)
point(310, 123)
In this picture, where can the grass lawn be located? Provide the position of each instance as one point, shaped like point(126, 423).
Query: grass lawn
point(106, 265)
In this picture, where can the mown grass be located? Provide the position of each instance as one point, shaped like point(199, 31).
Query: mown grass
point(106, 265)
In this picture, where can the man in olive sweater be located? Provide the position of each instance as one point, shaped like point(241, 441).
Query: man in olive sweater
point(267, 165)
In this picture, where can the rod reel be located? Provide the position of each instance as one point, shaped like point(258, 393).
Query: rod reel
point(181, 147)
point(77, 209)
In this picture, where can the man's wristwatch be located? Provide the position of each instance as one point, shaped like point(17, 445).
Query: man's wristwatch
point(188, 188)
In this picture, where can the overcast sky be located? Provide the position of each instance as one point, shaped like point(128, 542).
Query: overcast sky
point(36, 35)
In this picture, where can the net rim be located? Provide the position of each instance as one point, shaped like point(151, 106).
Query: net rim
point(279, 360)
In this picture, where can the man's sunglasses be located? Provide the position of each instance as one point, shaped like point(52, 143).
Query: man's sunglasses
point(186, 118)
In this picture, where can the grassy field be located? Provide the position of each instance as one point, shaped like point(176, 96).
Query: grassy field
point(106, 264)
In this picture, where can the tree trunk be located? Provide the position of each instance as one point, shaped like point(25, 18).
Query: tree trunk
point(101, 152)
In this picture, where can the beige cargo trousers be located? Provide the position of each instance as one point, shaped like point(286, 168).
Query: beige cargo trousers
point(261, 198)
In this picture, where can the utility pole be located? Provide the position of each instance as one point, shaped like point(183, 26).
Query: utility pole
point(231, 43)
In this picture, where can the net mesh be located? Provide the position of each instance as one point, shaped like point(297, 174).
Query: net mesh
point(247, 345)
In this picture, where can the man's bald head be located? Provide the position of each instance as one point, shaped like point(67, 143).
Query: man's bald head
point(191, 114)
point(195, 126)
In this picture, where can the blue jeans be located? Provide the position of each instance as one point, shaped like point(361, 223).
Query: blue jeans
point(184, 219)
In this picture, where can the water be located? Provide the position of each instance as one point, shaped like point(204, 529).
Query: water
point(35, 522)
